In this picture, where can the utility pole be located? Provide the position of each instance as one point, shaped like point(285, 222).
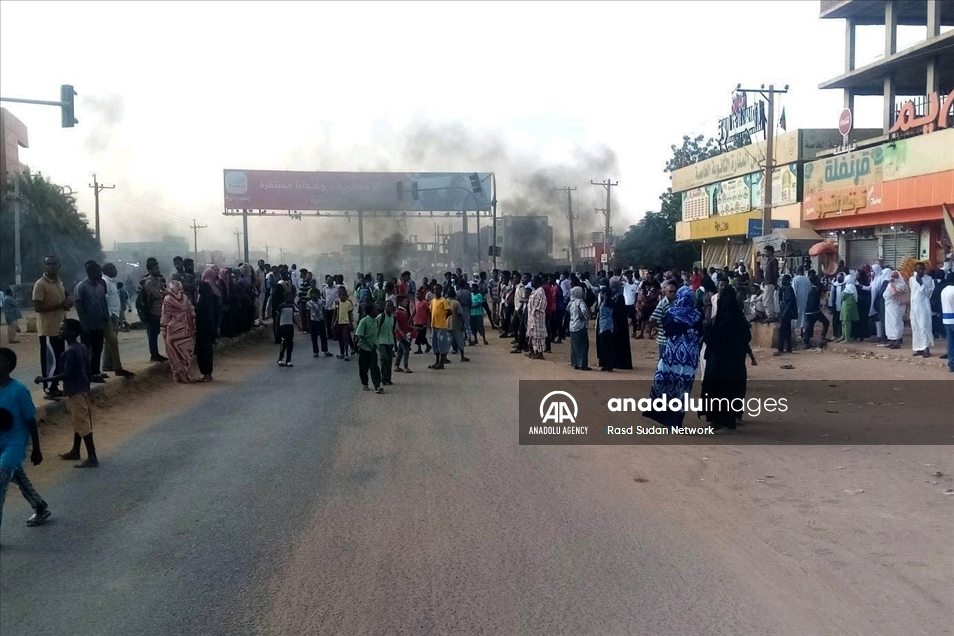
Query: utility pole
point(607, 235)
point(238, 245)
point(97, 188)
point(569, 216)
point(769, 95)
point(195, 237)
point(266, 252)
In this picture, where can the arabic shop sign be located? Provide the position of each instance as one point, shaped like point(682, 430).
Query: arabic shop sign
point(735, 163)
point(721, 227)
point(938, 115)
point(847, 202)
point(910, 157)
point(745, 120)
point(855, 168)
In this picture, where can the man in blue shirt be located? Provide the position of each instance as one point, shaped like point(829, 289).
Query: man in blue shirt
point(17, 424)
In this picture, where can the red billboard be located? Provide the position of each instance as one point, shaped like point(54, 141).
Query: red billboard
point(357, 191)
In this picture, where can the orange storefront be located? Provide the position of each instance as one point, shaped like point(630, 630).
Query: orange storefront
point(870, 197)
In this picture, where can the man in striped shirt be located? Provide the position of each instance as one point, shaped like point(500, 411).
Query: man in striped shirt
point(655, 321)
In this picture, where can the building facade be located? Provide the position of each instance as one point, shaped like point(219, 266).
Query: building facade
point(722, 197)
point(885, 198)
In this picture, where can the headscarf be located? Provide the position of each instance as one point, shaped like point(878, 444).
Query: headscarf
point(175, 300)
point(850, 288)
point(206, 293)
point(616, 286)
point(876, 271)
point(211, 277)
point(683, 309)
point(897, 281)
point(225, 278)
point(729, 314)
point(576, 293)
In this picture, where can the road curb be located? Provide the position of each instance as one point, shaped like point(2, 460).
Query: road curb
point(934, 361)
point(116, 386)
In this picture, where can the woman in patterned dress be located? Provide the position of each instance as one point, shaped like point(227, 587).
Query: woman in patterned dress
point(676, 370)
point(178, 331)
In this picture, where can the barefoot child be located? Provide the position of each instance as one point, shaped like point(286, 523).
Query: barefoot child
point(17, 425)
point(403, 334)
point(75, 377)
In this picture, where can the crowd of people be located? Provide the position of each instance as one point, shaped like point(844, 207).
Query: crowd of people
point(700, 320)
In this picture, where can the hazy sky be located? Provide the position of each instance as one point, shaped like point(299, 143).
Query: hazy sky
point(171, 93)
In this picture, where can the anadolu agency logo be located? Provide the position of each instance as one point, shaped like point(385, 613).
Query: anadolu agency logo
point(558, 411)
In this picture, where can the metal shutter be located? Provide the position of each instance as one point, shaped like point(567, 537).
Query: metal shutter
point(897, 247)
point(861, 252)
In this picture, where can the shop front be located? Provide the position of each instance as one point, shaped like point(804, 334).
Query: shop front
point(885, 201)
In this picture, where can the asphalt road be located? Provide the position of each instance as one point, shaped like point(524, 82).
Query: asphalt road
point(296, 504)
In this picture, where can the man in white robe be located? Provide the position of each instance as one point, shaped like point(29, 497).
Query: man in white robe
point(802, 286)
point(895, 301)
point(922, 334)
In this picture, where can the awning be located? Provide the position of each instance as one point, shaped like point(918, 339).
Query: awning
point(793, 241)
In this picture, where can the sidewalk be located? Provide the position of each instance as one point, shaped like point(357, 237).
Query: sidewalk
point(871, 349)
point(133, 349)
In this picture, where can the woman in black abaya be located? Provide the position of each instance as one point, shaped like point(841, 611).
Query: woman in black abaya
point(726, 338)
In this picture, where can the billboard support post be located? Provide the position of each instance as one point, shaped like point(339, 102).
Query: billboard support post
point(361, 239)
point(245, 232)
point(493, 206)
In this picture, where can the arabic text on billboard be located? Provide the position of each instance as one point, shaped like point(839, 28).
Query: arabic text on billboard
point(353, 191)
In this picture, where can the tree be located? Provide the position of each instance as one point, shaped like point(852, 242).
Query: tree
point(50, 224)
point(652, 242)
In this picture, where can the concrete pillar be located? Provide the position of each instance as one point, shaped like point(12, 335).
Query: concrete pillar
point(932, 77)
point(849, 99)
point(933, 19)
point(849, 45)
point(890, 29)
point(889, 96)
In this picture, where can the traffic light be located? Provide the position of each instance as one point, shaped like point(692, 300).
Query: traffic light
point(400, 190)
point(66, 104)
point(414, 190)
point(475, 183)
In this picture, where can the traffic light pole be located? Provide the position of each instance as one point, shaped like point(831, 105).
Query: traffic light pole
point(65, 104)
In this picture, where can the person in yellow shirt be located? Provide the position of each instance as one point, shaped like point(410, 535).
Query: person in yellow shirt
point(440, 315)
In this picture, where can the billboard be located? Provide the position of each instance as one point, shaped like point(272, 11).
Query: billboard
point(354, 191)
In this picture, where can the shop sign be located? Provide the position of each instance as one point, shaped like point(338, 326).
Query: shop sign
point(733, 196)
point(755, 227)
point(718, 227)
point(695, 204)
point(745, 120)
point(784, 187)
point(735, 163)
point(938, 115)
point(911, 157)
point(847, 202)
